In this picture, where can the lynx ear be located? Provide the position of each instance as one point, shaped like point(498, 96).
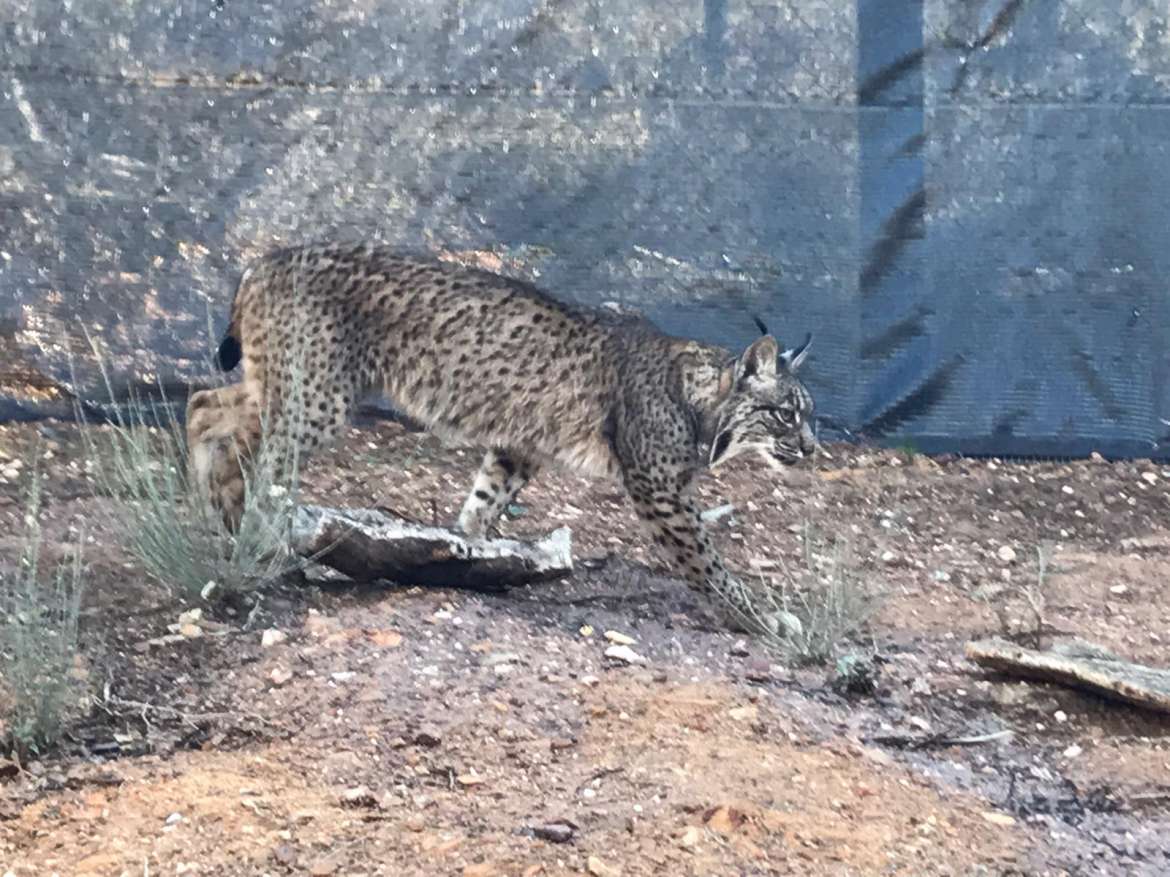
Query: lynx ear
point(793, 358)
point(759, 359)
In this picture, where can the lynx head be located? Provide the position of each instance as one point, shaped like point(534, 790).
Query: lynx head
point(767, 409)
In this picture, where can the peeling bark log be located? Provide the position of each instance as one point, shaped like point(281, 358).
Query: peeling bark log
point(368, 545)
point(1106, 675)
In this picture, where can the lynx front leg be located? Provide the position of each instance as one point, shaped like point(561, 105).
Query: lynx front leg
point(677, 527)
point(501, 476)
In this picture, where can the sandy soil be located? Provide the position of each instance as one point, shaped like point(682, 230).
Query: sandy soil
point(401, 731)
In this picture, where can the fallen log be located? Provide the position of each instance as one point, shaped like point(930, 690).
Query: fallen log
point(1088, 669)
point(368, 545)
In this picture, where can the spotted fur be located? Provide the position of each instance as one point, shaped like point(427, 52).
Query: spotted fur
point(495, 361)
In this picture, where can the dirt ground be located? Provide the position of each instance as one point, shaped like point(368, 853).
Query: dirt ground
point(403, 731)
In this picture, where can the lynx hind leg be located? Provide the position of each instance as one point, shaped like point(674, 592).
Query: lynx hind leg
point(501, 476)
point(223, 430)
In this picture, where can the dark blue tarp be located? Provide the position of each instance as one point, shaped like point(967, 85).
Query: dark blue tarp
point(966, 202)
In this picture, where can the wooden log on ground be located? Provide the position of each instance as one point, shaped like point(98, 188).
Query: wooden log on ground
point(368, 545)
point(1095, 671)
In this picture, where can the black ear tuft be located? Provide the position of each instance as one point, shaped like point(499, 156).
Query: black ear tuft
point(760, 324)
point(793, 358)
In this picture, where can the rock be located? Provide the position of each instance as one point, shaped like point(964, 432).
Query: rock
point(624, 653)
point(598, 868)
point(1107, 676)
point(428, 737)
point(586, 630)
point(469, 779)
point(739, 649)
point(358, 796)
point(342, 676)
point(855, 675)
point(1118, 590)
point(279, 676)
point(191, 616)
point(190, 631)
point(369, 545)
point(272, 637)
point(484, 869)
point(174, 819)
point(1006, 553)
point(619, 638)
point(690, 838)
point(555, 832)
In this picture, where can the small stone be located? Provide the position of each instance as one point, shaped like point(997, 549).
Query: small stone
point(272, 637)
point(739, 649)
point(483, 869)
point(1006, 553)
point(624, 653)
point(285, 854)
point(1118, 590)
point(325, 866)
point(1067, 489)
point(415, 823)
point(500, 658)
point(342, 676)
point(279, 676)
point(385, 639)
point(598, 868)
point(470, 779)
point(174, 819)
point(555, 832)
point(586, 630)
point(619, 638)
point(690, 838)
point(191, 616)
point(428, 737)
point(1073, 751)
point(1061, 716)
point(190, 631)
point(725, 820)
point(591, 681)
point(758, 670)
point(1150, 477)
point(997, 818)
point(748, 713)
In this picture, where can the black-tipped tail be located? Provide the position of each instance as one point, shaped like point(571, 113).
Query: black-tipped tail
point(229, 354)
